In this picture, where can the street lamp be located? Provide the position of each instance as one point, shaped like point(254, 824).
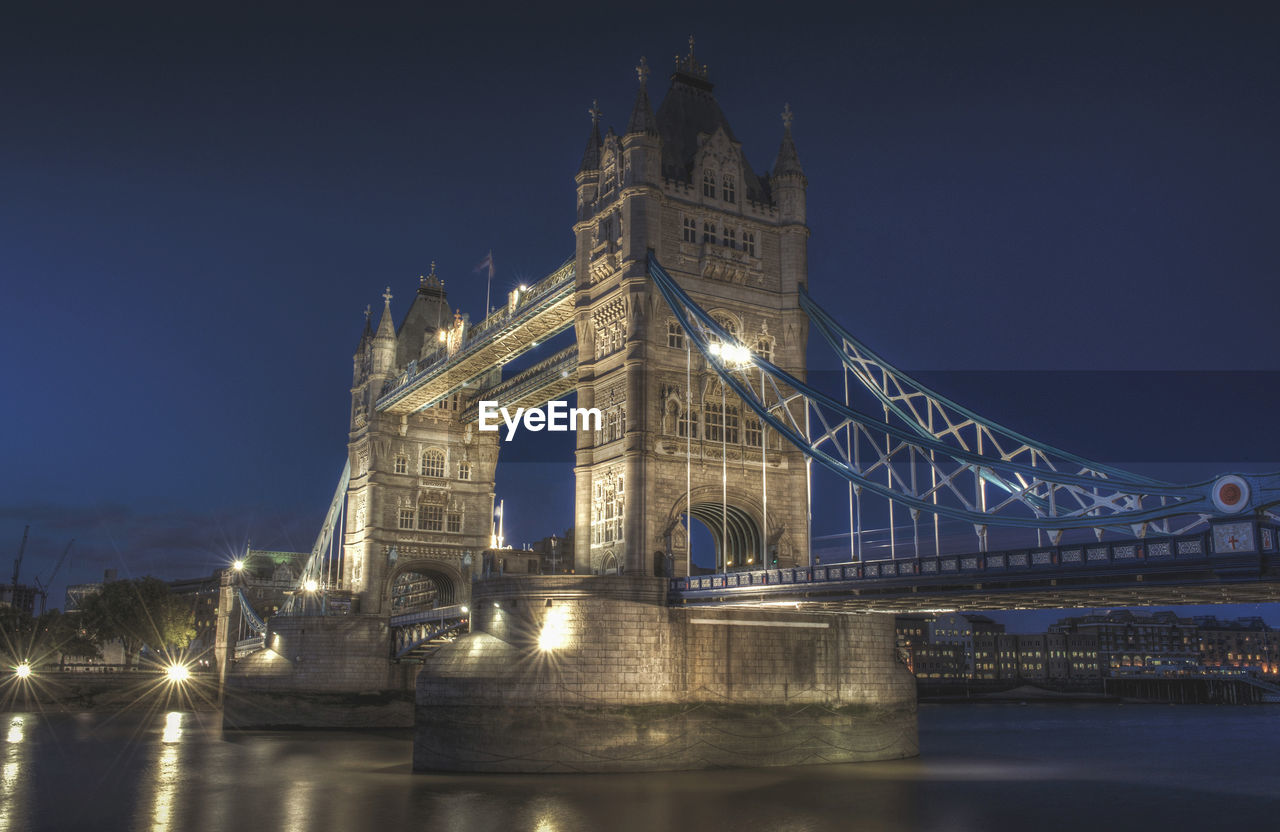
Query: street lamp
point(23, 670)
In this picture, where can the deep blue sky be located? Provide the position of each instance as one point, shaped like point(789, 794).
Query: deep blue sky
point(196, 206)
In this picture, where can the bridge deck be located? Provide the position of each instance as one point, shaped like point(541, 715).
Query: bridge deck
point(1163, 571)
point(543, 311)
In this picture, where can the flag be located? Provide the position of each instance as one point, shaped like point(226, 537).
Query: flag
point(486, 263)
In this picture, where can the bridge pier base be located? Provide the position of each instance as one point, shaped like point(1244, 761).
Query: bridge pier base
point(598, 674)
point(320, 672)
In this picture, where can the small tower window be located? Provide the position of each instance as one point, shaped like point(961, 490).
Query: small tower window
point(764, 348)
point(464, 470)
point(675, 335)
point(431, 518)
point(709, 184)
point(749, 242)
point(406, 518)
point(690, 230)
point(730, 189)
point(453, 522)
point(433, 463)
point(753, 432)
point(709, 233)
point(687, 427)
point(731, 237)
point(402, 464)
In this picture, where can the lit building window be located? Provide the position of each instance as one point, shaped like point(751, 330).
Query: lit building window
point(431, 518)
point(433, 463)
point(675, 335)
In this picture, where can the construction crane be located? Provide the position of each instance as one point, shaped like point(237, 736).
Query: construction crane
point(17, 567)
point(43, 589)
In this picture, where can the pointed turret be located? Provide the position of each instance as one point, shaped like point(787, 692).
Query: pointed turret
point(591, 156)
point(384, 342)
point(788, 161)
point(788, 182)
point(642, 118)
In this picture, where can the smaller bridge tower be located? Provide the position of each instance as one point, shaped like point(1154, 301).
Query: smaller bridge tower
point(419, 506)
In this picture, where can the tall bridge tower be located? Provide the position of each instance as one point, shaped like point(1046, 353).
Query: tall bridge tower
point(673, 443)
point(419, 505)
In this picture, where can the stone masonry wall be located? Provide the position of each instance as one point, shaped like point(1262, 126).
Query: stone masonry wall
point(553, 678)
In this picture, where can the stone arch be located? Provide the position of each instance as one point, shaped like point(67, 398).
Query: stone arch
point(609, 564)
point(423, 584)
point(735, 527)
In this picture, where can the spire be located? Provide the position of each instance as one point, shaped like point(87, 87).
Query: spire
point(386, 329)
point(591, 156)
point(689, 67)
point(788, 161)
point(368, 326)
point(642, 117)
point(430, 282)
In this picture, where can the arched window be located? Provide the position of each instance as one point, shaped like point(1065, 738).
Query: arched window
point(433, 463)
point(709, 184)
point(675, 335)
point(402, 464)
point(730, 189)
point(690, 230)
point(464, 470)
point(709, 233)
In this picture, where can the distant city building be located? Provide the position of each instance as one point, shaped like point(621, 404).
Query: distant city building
point(1127, 641)
point(24, 598)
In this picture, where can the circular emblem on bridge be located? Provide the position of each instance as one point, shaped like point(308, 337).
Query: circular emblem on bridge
point(1230, 494)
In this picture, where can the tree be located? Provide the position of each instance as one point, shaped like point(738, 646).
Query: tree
point(138, 612)
point(65, 635)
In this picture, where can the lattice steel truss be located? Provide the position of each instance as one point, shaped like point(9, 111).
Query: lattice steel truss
point(934, 456)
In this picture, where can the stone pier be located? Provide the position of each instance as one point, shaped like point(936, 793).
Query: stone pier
point(320, 672)
point(599, 674)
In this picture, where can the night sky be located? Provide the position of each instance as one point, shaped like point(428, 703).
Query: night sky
point(1064, 219)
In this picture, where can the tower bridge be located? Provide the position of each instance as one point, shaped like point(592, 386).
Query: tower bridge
point(689, 298)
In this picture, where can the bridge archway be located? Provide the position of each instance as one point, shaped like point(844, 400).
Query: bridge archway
point(423, 585)
point(734, 530)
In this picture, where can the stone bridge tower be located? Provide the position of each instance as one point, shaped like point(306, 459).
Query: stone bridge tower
point(677, 183)
point(420, 501)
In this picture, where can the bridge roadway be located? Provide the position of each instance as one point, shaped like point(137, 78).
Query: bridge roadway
point(537, 313)
point(1150, 572)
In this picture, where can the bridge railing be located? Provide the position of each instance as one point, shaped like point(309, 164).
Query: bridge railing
point(1072, 556)
point(408, 619)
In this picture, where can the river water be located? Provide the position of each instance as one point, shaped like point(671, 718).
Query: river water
point(987, 768)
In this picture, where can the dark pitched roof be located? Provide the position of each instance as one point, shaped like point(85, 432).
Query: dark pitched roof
point(689, 110)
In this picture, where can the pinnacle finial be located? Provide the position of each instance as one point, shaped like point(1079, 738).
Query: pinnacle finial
point(787, 116)
point(594, 112)
point(433, 268)
point(642, 70)
point(386, 296)
point(368, 310)
point(691, 50)
point(689, 64)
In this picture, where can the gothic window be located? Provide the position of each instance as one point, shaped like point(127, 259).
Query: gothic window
point(606, 509)
point(709, 184)
point(730, 191)
point(687, 427)
point(709, 233)
point(731, 237)
point(727, 323)
point(430, 518)
point(764, 348)
point(714, 422)
point(402, 464)
point(406, 518)
point(610, 338)
point(754, 433)
point(690, 230)
point(433, 463)
point(612, 425)
point(464, 470)
point(453, 522)
point(749, 242)
point(675, 335)
point(731, 424)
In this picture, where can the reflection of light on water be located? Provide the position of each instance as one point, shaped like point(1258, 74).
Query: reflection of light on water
point(545, 825)
point(13, 785)
point(168, 772)
point(15, 729)
point(172, 727)
point(297, 809)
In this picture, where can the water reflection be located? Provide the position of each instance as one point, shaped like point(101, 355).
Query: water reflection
point(167, 776)
point(15, 780)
